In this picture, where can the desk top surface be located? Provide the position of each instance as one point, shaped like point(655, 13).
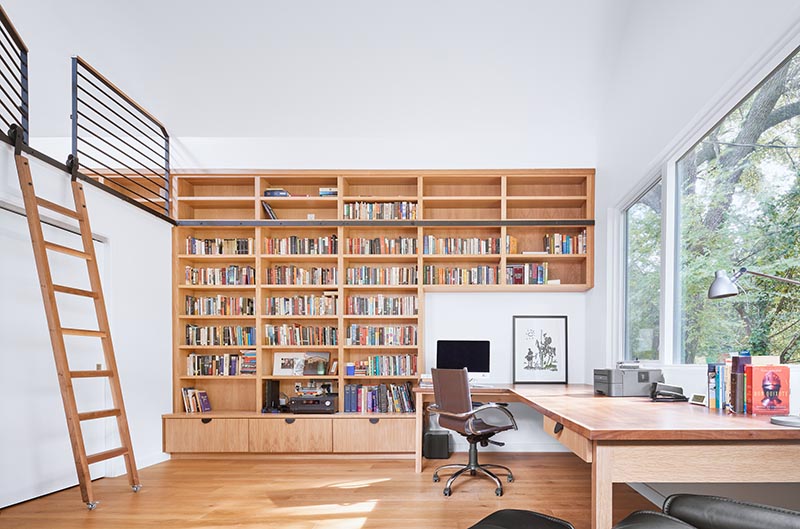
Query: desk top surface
point(638, 418)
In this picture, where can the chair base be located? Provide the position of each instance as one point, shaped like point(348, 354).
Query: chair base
point(473, 467)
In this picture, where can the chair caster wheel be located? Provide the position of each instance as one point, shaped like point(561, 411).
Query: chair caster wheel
point(92, 505)
point(136, 488)
point(471, 472)
point(447, 492)
point(498, 491)
point(510, 478)
point(436, 479)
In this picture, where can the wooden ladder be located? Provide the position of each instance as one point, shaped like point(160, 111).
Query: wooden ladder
point(57, 332)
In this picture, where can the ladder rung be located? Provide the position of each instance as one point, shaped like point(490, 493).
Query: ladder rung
point(82, 332)
point(108, 454)
point(74, 291)
point(57, 208)
point(100, 414)
point(65, 249)
point(91, 373)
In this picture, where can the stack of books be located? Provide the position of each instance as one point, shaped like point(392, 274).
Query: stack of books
point(328, 191)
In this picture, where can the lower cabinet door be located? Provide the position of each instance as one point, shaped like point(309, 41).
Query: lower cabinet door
point(373, 435)
point(205, 435)
point(290, 435)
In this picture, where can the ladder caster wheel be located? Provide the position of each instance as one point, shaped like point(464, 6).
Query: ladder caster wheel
point(447, 491)
point(92, 505)
point(435, 478)
point(510, 478)
point(136, 488)
point(498, 491)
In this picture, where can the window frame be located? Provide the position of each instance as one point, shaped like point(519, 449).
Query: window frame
point(748, 80)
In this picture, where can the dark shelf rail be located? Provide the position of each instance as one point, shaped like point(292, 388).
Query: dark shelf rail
point(117, 143)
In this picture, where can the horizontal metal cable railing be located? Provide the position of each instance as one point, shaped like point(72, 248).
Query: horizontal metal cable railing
point(13, 78)
point(117, 142)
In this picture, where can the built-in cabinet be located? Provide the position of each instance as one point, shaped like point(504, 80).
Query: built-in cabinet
point(335, 264)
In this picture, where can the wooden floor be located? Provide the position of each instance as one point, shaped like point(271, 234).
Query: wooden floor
point(320, 494)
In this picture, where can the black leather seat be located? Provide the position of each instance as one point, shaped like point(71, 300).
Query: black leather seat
point(454, 406)
point(680, 511)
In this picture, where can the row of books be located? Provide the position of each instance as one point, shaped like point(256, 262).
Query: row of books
point(382, 305)
point(218, 246)
point(457, 275)
point(229, 275)
point(294, 245)
point(195, 400)
point(381, 246)
point(527, 274)
point(756, 385)
point(562, 243)
point(380, 398)
point(298, 275)
point(386, 366)
point(224, 365)
point(460, 245)
point(357, 334)
point(294, 334)
point(399, 210)
point(219, 306)
point(386, 275)
point(302, 305)
point(220, 335)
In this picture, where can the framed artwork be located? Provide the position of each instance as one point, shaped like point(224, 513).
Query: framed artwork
point(316, 363)
point(540, 349)
point(288, 364)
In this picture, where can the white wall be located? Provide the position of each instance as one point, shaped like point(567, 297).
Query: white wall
point(136, 274)
point(679, 67)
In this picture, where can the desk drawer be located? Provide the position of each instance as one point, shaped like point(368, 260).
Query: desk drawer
point(373, 435)
point(579, 445)
point(205, 435)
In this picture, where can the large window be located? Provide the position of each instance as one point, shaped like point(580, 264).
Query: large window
point(643, 276)
point(739, 196)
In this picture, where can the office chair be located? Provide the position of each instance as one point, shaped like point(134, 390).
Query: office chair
point(454, 407)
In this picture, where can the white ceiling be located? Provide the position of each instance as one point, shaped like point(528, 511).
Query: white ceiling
point(321, 68)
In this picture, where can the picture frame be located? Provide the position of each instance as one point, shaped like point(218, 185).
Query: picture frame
point(288, 364)
point(541, 351)
point(316, 363)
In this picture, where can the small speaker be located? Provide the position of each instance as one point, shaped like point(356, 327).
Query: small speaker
point(436, 445)
point(272, 395)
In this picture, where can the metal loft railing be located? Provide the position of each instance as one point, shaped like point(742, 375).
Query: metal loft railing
point(118, 143)
point(13, 78)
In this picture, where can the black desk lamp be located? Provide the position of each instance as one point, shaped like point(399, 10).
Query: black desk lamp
point(725, 287)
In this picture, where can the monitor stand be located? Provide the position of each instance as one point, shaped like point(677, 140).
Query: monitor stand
point(786, 420)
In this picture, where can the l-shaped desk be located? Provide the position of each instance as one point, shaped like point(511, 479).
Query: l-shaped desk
point(634, 440)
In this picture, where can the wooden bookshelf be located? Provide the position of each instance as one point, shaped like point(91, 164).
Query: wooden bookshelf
point(452, 225)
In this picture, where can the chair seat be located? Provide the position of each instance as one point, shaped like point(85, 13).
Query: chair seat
point(521, 519)
point(651, 520)
point(481, 425)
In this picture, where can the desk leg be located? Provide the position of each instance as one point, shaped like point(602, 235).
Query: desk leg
point(419, 434)
point(602, 490)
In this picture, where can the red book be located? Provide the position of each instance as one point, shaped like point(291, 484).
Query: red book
point(767, 389)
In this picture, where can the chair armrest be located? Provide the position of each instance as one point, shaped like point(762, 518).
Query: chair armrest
point(713, 512)
point(471, 414)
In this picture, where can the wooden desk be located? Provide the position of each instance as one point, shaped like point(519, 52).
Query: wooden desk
point(633, 440)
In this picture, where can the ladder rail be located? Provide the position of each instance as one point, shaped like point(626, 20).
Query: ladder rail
point(103, 324)
point(54, 327)
point(57, 332)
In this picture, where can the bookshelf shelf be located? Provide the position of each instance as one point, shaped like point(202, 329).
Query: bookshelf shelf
point(465, 225)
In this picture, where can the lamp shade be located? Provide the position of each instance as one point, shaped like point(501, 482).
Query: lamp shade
point(722, 287)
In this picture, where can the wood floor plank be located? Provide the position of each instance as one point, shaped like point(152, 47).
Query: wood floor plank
point(320, 494)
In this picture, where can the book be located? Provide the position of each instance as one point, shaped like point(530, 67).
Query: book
point(276, 192)
point(202, 398)
point(269, 211)
point(767, 389)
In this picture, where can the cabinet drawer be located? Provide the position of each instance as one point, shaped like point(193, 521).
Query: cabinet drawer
point(205, 435)
point(290, 435)
point(580, 446)
point(373, 435)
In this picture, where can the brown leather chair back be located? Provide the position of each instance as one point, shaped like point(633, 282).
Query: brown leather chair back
point(451, 392)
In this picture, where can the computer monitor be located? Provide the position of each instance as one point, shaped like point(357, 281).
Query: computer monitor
point(457, 354)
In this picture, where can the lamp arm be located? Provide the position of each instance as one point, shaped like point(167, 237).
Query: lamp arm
point(776, 278)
